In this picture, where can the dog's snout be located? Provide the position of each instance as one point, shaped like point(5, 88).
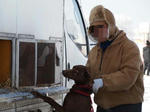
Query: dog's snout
point(64, 72)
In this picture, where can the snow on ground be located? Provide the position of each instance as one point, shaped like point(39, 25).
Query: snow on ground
point(146, 103)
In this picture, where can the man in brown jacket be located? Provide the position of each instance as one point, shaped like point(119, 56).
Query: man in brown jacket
point(115, 65)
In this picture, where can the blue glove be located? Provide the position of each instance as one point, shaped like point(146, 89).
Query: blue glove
point(98, 83)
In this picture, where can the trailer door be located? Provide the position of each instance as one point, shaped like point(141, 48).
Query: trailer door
point(75, 34)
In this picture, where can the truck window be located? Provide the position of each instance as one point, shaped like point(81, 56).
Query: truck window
point(26, 64)
point(5, 63)
point(45, 63)
point(36, 63)
point(74, 26)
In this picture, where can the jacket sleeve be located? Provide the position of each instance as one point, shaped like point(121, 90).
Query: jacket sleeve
point(88, 62)
point(126, 76)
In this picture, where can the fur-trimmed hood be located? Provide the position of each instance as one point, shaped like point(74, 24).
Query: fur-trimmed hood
point(98, 14)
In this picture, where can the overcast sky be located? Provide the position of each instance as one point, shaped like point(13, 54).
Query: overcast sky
point(135, 11)
point(132, 16)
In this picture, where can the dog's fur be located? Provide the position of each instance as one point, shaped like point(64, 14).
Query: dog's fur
point(74, 101)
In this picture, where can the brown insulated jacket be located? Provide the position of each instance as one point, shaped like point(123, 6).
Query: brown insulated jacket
point(121, 69)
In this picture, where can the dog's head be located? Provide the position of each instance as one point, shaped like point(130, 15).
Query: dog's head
point(78, 73)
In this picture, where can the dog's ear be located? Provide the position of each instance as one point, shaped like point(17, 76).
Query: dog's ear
point(86, 73)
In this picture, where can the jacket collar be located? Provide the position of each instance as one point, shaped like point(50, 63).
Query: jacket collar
point(118, 37)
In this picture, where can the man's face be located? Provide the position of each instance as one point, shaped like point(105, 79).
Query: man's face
point(100, 31)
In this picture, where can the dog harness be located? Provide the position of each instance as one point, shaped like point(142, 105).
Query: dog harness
point(84, 93)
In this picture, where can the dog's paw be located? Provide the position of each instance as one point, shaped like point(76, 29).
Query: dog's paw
point(37, 94)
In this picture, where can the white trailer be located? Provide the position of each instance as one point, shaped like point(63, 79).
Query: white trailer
point(38, 39)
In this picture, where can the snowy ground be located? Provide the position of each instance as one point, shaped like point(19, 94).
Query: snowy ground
point(146, 103)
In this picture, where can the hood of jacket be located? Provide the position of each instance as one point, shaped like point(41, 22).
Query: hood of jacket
point(98, 14)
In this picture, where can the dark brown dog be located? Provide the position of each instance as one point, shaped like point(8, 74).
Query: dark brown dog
point(78, 99)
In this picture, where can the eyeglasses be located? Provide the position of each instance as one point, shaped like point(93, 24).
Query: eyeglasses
point(97, 27)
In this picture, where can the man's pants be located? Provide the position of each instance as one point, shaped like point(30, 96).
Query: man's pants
point(123, 108)
point(146, 67)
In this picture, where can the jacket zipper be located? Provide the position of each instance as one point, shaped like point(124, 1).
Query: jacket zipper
point(101, 60)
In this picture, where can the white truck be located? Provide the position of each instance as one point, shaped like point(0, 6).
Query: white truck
point(38, 39)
